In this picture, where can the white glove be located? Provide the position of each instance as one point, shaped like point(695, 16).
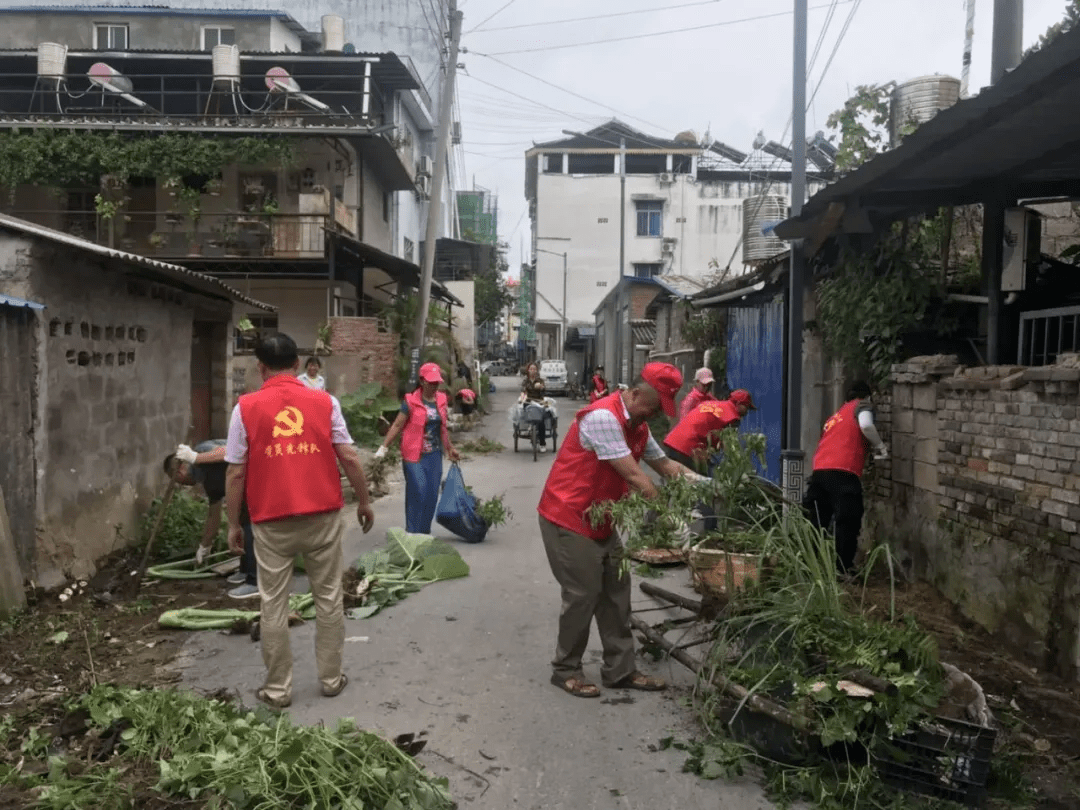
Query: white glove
point(200, 553)
point(186, 454)
point(700, 479)
point(381, 451)
point(881, 453)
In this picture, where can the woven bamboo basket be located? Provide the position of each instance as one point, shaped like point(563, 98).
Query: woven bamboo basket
point(717, 572)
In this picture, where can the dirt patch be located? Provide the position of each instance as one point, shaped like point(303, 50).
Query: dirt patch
point(1039, 712)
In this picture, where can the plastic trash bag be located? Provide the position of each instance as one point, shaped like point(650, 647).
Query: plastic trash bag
point(456, 511)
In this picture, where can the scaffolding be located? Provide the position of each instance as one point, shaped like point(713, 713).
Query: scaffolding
point(478, 216)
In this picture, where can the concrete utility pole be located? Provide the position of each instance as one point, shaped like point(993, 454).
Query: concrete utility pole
point(439, 176)
point(792, 455)
point(1007, 42)
point(622, 207)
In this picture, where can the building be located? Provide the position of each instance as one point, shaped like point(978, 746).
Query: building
point(615, 202)
point(110, 359)
point(233, 142)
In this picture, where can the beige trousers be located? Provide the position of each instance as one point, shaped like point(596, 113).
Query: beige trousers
point(588, 571)
point(318, 538)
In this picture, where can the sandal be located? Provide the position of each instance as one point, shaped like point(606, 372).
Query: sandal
point(337, 690)
point(578, 687)
point(639, 681)
point(274, 703)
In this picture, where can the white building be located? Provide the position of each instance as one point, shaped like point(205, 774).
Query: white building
point(618, 202)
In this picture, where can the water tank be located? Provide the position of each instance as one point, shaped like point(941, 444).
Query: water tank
point(333, 32)
point(917, 101)
point(767, 209)
point(226, 62)
point(110, 78)
point(51, 60)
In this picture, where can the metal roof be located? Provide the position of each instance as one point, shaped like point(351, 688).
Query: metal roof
point(644, 332)
point(12, 301)
point(1016, 139)
point(168, 273)
point(606, 137)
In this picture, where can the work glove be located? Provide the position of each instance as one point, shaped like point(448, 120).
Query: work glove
point(881, 453)
point(186, 454)
point(381, 451)
point(201, 553)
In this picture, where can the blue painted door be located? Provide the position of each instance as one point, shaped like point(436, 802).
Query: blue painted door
point(755, 361)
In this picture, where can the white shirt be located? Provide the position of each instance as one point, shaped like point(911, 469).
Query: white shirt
point(318, 384)
point(601, 432)
point(236, 448)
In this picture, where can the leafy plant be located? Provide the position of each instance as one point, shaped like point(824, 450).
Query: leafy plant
point(181, 528)
point(481, 446)
point(493, 512)
point(861, 124)
point(365, 409)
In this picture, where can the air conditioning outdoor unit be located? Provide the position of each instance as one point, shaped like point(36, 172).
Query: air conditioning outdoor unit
point(667, 177)
point(426, 167)
point(423, 185)
point(667, 245)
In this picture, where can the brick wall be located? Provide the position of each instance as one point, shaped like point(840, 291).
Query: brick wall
point(983, 495)
point(640, 298)
point(362, 353)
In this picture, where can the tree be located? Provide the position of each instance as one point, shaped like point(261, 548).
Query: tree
point(862, 125)
point(1070, 21)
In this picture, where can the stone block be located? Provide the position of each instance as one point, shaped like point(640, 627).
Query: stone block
point(926, 424)
point(924, 398)
point(903, 422)
point(901, 397)
point(1065, 495)
point(926, 477)
point(903, 471)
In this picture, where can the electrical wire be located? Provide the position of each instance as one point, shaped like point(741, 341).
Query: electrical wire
point(651, 34)
point(487, 19)
point(479, 30)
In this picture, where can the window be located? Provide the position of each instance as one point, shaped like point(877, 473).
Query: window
point(648, 270)
point(110, 37)
point(649, 221)
point(80, 213)
point(264, 325)
point(217, 35)
point(553, 164)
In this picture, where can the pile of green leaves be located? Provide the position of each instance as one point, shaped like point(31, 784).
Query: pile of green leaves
point(220, 753)
point(481, 446)
point(181, 528)
point(364, 409)
point(494, 512)
point(403, 566)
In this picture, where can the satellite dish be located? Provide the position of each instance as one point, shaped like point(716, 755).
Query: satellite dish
point(348, 48)
point(278, 80)
point(109, 78)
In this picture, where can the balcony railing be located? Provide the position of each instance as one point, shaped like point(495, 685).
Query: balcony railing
point(174, 236)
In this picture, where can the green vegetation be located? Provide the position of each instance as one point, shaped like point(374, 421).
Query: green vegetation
point(364, 409)
point(181, 528)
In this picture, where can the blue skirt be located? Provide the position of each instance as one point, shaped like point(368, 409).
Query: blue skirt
point(422, 480)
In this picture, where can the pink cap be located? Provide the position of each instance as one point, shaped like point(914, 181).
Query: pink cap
point(704, 375)
point(430, 372)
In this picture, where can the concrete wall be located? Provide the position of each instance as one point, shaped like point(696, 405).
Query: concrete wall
point(114, 393)
point(982, 494)
point(465, 317)
point(145, 31)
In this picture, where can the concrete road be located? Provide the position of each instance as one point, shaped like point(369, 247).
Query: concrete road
point(467, 663)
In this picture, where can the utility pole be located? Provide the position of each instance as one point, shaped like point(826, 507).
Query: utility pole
point(1007, 39)
point(793, 456)
point(562, 341)
point(622, 207)
point(435, 206)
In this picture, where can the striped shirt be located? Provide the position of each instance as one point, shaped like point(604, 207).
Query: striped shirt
point(601, 432)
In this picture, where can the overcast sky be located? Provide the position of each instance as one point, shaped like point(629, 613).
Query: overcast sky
point(728, 79)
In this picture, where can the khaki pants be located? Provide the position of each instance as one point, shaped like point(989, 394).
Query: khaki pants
point(318, 538)
point(588, 571)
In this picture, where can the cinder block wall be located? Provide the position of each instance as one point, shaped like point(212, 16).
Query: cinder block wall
point(982, 496)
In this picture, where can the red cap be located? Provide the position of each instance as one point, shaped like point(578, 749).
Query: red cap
point(430, 372)
point(740, 396)
point(667, 380)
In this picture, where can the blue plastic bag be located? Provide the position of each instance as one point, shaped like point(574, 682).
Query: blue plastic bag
point(457, 509)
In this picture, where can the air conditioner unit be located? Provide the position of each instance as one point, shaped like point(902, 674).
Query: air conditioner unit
point(1022, 248)
point(667, 177)
point(667, 245)
point(426, 167)
point(423, 185)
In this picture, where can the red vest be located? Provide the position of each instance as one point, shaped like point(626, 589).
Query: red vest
point(842, 445)
point(578, 479)
point(696, 428)
point(692, 400)
point(412, 435)
point(292, 469)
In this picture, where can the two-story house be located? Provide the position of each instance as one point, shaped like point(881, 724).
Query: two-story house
point(234, 142)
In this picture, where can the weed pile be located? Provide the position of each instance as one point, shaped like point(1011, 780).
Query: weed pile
point(480, 447)
point(206, 750)
point(366, 410)
point(181, 528)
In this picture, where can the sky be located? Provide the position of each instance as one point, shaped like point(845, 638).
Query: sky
point(730, 79)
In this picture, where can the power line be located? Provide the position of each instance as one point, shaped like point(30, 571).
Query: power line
point(651, 34)
point(518, 95)
point(500, 10)
point(479, 30)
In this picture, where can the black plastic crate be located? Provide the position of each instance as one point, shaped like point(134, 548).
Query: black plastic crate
point(947, 759)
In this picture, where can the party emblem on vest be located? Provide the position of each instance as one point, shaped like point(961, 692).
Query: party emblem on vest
point(290, 422)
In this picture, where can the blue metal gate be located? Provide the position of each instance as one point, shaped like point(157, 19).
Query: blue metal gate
point(755, 361)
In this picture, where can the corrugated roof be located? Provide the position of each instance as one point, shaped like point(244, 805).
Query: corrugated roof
point(169, 272)
point(12, 301)
point(644, 332)
point(606, 136)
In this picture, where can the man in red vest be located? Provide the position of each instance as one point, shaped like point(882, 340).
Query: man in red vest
point(834, 491)
point(690, 441)
point(599, 462)
point(285, 442)
point(701, 392)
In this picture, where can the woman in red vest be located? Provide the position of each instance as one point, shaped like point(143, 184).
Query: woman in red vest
point(690, 441)
point(422, 424)
point(834, 491)
point(599, 385)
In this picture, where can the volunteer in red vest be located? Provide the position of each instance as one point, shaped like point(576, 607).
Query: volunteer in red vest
point(600, 461)
point(599, 385)
point(422, 423)
point(701, 392)
point(834, 491)
point(691, 441)
point(285, 442)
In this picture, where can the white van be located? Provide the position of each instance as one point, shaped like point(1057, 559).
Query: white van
point(553, 373)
